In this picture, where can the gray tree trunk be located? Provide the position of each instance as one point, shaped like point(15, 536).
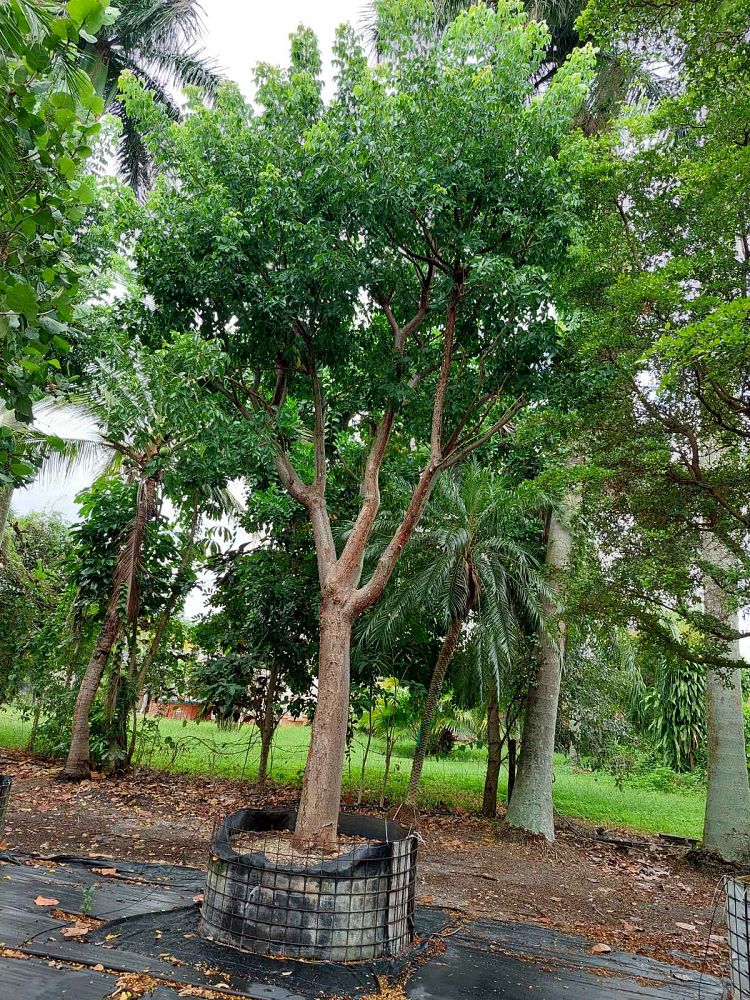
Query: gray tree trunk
point(726, 827)
point(530, 807)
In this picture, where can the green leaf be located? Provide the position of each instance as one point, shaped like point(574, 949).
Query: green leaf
point(21, 469)
point(22, 298)
point(37, 57)
point(66, 166)
point(81, 10)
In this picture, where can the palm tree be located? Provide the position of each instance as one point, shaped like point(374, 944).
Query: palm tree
point(469, 566)
point(155, 40)
point(36, 451)
point(147, 419)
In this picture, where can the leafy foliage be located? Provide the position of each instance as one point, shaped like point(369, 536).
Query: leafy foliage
point(48, 124)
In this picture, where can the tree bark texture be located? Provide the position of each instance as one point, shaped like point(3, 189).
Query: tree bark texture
point(530, 807)
point(494, 746)
point(726, 827)
point(317, 818)
point(430, 707)
point(77, 765)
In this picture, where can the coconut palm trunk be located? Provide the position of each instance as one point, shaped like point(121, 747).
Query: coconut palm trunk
point(726, 828)
point(445, 656)
point(530, 807)
point(124, 592)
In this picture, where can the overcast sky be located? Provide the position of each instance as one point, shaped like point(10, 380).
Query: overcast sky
point(239, 35)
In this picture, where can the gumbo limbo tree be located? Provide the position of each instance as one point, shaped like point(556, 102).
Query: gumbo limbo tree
point(371, 274)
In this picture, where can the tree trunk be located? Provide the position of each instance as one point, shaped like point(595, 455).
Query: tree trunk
point(530, 808)
point(317, 818)
point(123, 581)
point(34, 727)
point(511, 766)
point(726, 828)
point(267, 725)
point(77, 765)
point(6, 495)
point(430, 707)
point(494, 746)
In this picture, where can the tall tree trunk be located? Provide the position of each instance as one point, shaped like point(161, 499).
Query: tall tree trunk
point(726, 828)
point(530, 807)
point(267, 725)
point(494, 746)
point(321, 789)
point(430, 707)
point(77, 765)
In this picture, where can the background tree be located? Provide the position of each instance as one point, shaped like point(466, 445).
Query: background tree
point(155, 41)
point(148, 419)
point(469, 568)
point(428, 263)
point(668, 301)
point(261, 633)
point(530, 806)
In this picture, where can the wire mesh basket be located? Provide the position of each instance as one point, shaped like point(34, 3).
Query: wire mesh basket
point(738, 922)
point(5, 782)
point(264, 895)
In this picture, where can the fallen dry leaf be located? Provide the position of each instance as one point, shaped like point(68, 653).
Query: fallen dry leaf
point(76, 931)
point(104, 871)
point(600, 949)
point(685, 927)
point(46, 901)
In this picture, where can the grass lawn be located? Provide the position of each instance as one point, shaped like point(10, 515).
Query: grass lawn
point(457, 780)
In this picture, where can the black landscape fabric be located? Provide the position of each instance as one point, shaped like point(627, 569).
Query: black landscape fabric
point(151, 921)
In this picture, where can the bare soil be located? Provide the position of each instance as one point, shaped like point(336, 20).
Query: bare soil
point(278, 847)
point(647, 899)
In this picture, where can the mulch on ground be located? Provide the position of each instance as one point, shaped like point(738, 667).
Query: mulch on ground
point(645, 899)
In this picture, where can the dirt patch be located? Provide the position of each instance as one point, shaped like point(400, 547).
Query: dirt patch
point(646, 899)
point(279, 848)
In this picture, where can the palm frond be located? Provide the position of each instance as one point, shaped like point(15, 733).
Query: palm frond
point(158, 22)
point(179, 67)
point(133, 161)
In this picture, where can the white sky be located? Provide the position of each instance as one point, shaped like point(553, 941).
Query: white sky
point(240, 33)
